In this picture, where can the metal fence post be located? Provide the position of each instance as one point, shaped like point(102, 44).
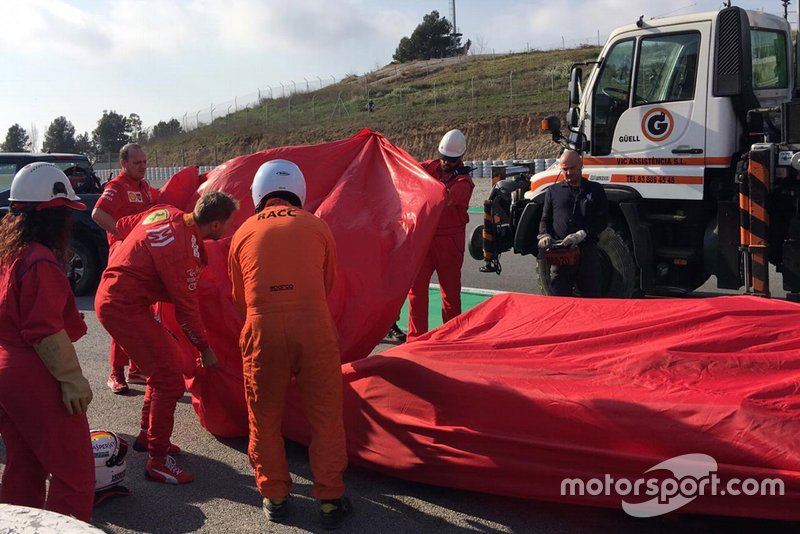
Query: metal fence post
point(511, 87)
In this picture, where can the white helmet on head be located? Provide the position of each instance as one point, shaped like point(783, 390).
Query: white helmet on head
point(46, 185)
point(453, 144)
point(109, 458)
point(278, 175)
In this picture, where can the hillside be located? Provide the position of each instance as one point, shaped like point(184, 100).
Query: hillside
point(497, 101)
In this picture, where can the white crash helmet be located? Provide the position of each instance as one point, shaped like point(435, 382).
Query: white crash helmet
point(278, 175)
point(109, 458)
point(45, 185)
point(453, 144)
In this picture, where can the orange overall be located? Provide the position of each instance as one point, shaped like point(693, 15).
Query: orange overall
point(282, 264)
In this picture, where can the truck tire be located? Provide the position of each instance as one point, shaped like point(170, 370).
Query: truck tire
point(616, 262)
point(475, 245)
point(84, 268)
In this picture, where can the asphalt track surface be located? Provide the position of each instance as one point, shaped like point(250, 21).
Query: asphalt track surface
point(223, 497)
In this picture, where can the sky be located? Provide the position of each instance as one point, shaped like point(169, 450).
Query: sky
point(165, 59)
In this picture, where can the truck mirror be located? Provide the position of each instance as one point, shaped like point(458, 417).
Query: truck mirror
point(551, 124)
point(575, 77)
point(573, 117)
point(733, 68)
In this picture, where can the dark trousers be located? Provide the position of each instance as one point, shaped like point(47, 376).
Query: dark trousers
point(586, 274)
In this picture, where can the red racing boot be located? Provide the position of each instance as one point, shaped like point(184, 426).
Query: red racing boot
point(116, 381)
point(166, 470)
point(140, 445)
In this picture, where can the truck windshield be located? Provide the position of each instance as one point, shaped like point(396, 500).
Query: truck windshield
point(611, 94)
point(769, 59)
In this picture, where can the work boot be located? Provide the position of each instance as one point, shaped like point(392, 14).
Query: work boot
point(334, 511)
point(140, 445)
point(276, 509)
point(165, 470)
point(396, 334)
point(116, 381)
point(135, 376)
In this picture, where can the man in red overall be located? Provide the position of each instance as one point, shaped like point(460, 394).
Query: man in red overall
point(159, 261)
point(127, 194)
point(43, 393)
point(446, 253)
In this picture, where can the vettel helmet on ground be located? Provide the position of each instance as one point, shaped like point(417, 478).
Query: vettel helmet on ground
point(109, 458)
point(276, 178)
point(44, 185)
point(453, 144)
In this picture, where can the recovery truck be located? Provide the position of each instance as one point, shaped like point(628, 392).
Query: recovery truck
point(692, 125)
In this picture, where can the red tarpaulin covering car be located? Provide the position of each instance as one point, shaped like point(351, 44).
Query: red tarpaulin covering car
point(523, 392)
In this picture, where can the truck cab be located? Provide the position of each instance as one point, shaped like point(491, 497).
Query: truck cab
point(662, 118)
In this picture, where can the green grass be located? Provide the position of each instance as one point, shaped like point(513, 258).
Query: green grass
point(494, 93)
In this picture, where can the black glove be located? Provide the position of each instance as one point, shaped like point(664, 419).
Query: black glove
point(466, 169)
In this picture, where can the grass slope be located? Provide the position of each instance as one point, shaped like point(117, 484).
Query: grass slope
point(497, 101)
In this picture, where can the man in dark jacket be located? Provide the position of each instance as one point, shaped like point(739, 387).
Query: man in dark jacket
point(575, 213)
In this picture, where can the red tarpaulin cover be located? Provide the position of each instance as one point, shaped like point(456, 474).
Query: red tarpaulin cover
point(382, 209)
point(523, 391)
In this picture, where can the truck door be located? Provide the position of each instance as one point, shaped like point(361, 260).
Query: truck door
point(648, 118)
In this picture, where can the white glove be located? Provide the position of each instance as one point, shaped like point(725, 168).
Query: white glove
point(573, 240)
point(545, 241)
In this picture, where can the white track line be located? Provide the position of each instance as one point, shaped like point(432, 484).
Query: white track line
point(475, 290)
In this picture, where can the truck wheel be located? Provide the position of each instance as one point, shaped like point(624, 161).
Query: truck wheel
point(476, 243)
point(84, 268)
point(616, 262)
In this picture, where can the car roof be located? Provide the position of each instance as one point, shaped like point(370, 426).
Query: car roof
point(38, 156)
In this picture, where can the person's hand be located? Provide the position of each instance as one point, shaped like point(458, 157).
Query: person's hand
point(545, 241)
point(208, 358)
point(573, 240)
point(76, 394)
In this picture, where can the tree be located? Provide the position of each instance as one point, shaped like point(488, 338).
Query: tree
point(16, 139)
point(166, 129)
point(84, 145)
point(138, 134)
point(432, 38)
point(112, 132)
point(60, 136)
point(33, 138)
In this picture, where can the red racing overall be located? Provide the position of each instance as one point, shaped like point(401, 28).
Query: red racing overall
point(123, 196)
point(446, 253)
point(40, 436)
point(160, 260)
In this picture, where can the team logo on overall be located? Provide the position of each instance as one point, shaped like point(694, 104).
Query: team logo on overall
point(156, 216)
point(135, 196)
point(657, 124)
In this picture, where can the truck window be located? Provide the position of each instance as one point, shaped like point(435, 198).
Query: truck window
point(611, 95)
point(769, 59)
point(667, 68)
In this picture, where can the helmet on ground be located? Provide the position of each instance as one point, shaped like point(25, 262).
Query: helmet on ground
point(276, 178)
point(44, 185)
point(109, 458)
point(453, 144)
